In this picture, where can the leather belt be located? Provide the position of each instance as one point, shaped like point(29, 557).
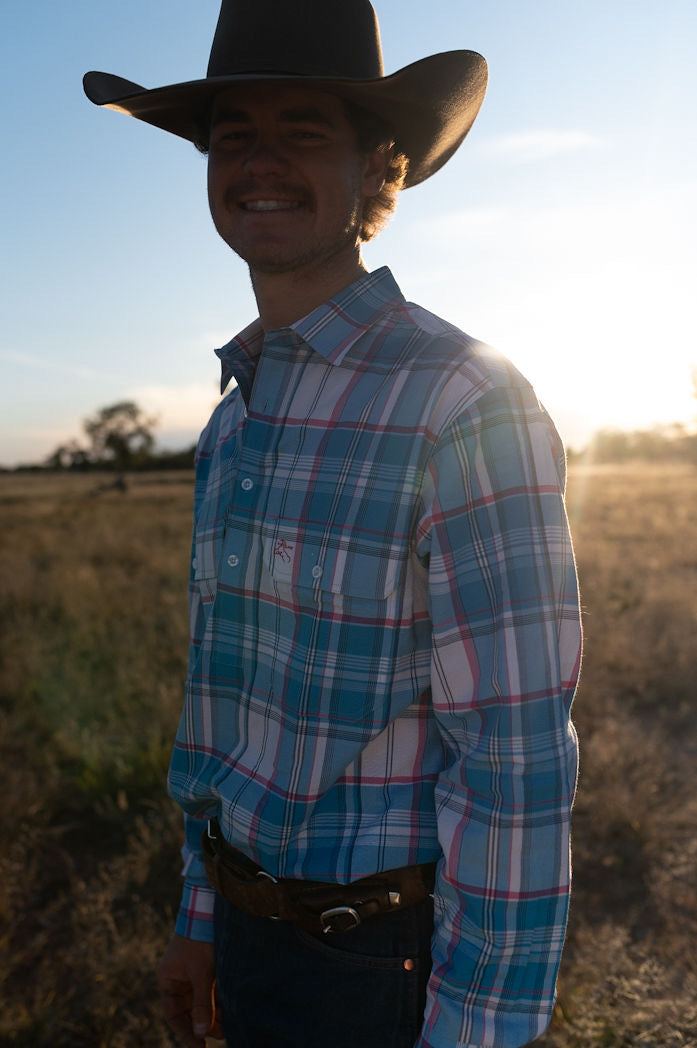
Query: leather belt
point(316, 906)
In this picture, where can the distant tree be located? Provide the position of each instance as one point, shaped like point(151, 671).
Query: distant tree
point(610, 445)
point(662, 443)
point(69, 456)
point(120, 435)
point(183, 459)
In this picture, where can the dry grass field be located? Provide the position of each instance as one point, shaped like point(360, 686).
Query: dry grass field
point(92, 656)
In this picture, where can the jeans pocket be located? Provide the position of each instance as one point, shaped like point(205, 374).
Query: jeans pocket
point(284, 988)
point(391, 942)
point(338, 948)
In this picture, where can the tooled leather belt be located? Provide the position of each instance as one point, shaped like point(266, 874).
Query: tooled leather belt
point(316, 906)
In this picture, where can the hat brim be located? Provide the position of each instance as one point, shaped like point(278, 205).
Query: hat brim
point(431, 104)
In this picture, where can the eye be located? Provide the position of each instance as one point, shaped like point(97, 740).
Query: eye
point(308, 134)
point(231, 136)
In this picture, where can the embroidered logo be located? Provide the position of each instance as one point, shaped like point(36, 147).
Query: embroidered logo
point(284, 550)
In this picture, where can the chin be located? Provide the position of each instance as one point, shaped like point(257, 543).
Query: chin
point(266, 258)
point(269, 265)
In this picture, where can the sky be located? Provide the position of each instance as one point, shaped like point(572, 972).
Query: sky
point(563, 232)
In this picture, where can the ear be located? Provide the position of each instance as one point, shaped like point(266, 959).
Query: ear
point(375, 170)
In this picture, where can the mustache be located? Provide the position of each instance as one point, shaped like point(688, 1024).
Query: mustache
point(282, 190)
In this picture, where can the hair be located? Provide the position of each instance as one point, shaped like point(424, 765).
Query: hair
point(372, 133)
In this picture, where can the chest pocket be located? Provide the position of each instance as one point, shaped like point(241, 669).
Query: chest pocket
point(350, 568)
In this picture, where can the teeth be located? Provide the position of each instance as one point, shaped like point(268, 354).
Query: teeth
point(269, 205)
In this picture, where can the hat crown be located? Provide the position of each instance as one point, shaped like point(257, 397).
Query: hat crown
point(319, 38)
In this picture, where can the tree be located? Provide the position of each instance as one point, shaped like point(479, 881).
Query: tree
point(68, 456)
point(120, 435)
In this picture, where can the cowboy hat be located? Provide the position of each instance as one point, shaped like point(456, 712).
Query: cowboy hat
point(332, 45)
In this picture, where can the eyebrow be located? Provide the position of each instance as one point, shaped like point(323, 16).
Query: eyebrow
point(298, 115)
point(306, 115)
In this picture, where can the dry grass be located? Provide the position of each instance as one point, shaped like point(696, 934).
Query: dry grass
point(92, 621)
point(629, 976)
point(92, 650)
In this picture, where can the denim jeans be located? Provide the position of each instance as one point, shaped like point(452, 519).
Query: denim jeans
point(281, 987)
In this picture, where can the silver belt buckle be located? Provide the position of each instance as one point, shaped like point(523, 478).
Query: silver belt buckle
point(337, 911)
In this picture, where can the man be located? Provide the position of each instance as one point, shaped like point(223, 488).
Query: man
point(384, 618)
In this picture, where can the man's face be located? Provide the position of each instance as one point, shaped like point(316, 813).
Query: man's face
point(286, 180)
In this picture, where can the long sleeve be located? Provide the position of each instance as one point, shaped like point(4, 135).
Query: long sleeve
point(195, 916)
point(506, 655)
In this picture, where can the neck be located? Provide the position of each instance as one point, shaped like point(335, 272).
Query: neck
point(284, 298)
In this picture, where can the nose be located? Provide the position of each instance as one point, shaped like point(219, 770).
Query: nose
point(265, 156)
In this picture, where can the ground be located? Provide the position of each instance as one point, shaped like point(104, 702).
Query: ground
point(92, 659)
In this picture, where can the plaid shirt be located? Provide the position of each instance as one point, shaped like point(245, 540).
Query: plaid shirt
point(385, 641)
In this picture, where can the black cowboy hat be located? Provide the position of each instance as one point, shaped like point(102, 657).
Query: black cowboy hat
point(334, 45)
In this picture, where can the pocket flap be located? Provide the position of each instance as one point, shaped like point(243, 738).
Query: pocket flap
point(350, 567)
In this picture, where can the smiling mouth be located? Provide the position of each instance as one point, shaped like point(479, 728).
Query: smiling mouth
point(270, 205)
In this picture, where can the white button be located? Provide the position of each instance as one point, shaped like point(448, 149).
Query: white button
point(317, 571)
point(247, 484)
point(194, 563)
point(233, 560)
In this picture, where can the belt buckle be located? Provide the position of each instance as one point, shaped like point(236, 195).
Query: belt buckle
point(339, 911)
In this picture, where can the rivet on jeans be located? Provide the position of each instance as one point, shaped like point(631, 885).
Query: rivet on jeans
point(409, 965)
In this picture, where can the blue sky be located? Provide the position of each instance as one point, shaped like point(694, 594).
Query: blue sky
point(563, 231)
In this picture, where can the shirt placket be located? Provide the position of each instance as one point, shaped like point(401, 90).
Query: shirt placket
point(256, 484)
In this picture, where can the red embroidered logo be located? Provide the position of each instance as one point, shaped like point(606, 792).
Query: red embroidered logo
point(283, 550)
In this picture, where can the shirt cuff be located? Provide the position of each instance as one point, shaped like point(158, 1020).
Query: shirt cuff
point(195, 917)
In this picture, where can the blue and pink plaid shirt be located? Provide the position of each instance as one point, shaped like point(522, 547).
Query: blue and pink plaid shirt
point(385, 641)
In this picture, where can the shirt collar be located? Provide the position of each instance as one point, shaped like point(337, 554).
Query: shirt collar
point(330, 330)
